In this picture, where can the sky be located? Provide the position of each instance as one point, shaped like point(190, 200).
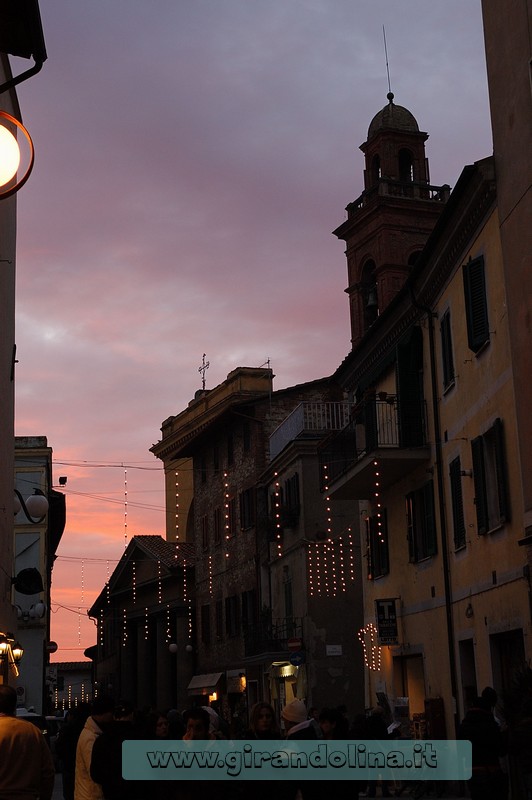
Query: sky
point(192, 159)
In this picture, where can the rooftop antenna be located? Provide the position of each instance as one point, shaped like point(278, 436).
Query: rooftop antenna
point(390, 95)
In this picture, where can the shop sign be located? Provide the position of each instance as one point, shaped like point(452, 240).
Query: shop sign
point(386, 614)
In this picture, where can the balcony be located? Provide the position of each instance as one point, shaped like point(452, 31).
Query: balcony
point(309, 419)
point(271, 636)
point(385, 187)
point(387, 430)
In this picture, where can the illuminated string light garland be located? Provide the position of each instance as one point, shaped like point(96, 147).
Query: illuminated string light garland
point(124, 628)
point(107, 587)
point(168, 635)
point(177, 505)
point(331, 565)
point(134, 581)
point(377, 501)
point(159, 584)
point(227, 515)
point(101, 627)
point(125, 509)
point(368, 637)
point(277, 517)
point(146, 624)
point(209, 562)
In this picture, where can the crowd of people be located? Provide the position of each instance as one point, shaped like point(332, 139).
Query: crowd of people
point(89, 746)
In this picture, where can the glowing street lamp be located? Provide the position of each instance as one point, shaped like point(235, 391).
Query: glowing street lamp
point(16, 148)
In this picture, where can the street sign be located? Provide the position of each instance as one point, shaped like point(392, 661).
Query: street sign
point(296, 659)
point(386, 614)
point(294, 644)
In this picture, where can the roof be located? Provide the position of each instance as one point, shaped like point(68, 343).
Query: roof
point(72, 666)
point(393, 117)
point(170, 554)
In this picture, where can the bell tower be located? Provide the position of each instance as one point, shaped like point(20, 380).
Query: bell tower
point(388, 225)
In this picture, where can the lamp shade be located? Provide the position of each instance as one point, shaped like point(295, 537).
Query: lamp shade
point(37, 506)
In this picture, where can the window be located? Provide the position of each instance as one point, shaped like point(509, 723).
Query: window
point(475, 303)
point(230, 450)
point(455, 476)
point(232, 615)
point(421, 523)
point(206, 624)
point(204, 532)
point(489, 473)
point(377, 544)
point(248, 608)
point(217, 519)
point(406, 166)
point(247, 509)
point(291, 505)
point(287, 591)
point(219, 618)
point(246, 436)
point(447, 350)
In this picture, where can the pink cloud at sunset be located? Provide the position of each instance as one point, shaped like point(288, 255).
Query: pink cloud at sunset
point(192, 159)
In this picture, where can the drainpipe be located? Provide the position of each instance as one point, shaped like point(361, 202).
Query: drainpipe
point(441, 504)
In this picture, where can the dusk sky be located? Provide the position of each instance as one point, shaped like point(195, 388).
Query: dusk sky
point(192, 159)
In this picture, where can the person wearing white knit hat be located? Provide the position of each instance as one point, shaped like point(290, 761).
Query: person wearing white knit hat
point(296, 723)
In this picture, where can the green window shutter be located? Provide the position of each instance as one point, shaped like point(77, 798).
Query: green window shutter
point(502, 479)
point(447, 349)
point(455, 476)
point(476, 305)
point(410, 526)
point(479, 477)
point(429, 520)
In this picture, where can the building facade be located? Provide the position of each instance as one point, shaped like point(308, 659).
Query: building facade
point(144, 619)
point(9, 103)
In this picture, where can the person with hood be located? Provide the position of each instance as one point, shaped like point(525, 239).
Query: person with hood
point(488, 781)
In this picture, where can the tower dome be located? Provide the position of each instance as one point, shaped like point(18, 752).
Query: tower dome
point(392, 117)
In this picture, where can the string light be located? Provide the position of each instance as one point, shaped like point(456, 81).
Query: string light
point(146, 624)
point(368, 637)
point(168, 637)
point(159, 583)
point(227, 514)
point(277, 513)
point(124, 628)
point(101, 627)
point(82, 582)
point(134, 581)
point(125, 509)
point(211, 592)
point(377, 499)
point(79, 625)
point(107, 587)
point(331, 565)
point(176, 506)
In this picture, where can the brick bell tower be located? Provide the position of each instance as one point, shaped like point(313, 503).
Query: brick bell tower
point(388, 225)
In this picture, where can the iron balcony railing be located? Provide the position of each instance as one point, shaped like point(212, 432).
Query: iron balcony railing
point(271, 636)
point(375, 424)
point(309, 418)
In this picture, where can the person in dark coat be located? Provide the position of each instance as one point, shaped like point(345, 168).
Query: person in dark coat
point(66, 743)
point(488, 781)
point(106, 759)
point(376, 729)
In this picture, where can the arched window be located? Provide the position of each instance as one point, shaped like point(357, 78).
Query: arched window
point(406, 166)
point(376, 172)
point(370, 297)
point(413, 257)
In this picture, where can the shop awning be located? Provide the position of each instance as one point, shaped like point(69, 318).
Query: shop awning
point(204, 684)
